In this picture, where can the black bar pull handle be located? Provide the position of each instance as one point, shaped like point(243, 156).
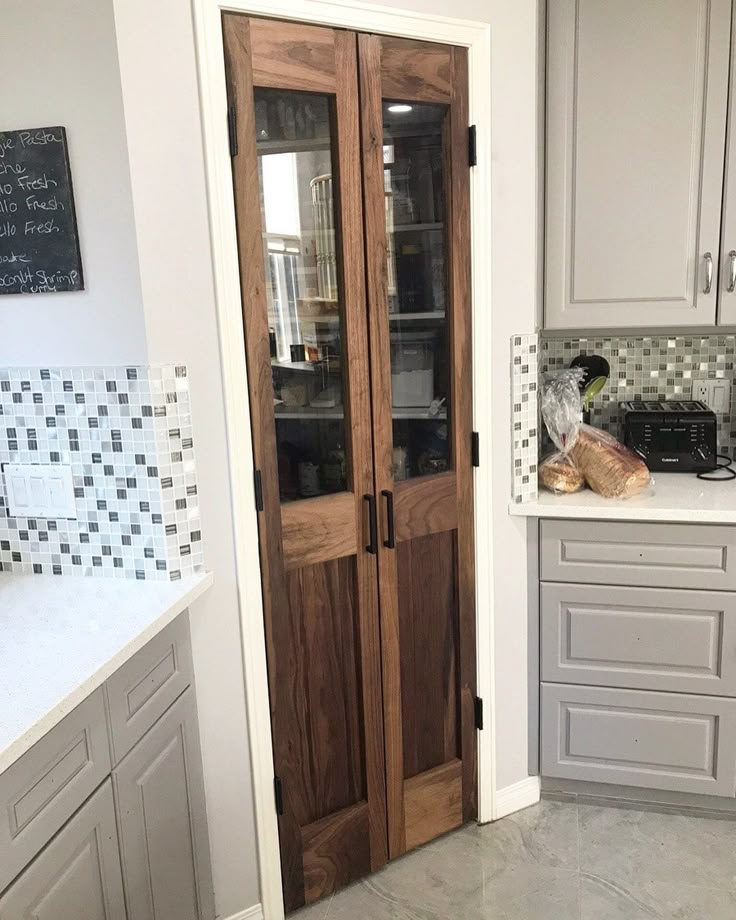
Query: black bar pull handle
point(390, 543)
point(372, 546)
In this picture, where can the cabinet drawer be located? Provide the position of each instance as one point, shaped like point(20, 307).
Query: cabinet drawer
point(646, 555)
point(43, 789)
point(141, 691)
point(77, 876)
point(666, 741)
point(641, 638)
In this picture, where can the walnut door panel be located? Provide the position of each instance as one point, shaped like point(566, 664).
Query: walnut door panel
point(294, 88)
point(414, 124)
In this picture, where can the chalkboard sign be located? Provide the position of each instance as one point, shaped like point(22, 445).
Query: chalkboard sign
point(39, 245)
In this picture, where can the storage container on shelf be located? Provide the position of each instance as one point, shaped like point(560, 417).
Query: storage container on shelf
point(412, 368)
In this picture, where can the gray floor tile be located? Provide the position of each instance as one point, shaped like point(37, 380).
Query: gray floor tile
point(604, 899)
point(640, 846)
point(556, 861)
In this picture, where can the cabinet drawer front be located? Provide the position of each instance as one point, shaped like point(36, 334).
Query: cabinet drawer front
point(141, 691)
point(667, 741)
point(641, 638)
point(646, 555)
point(42, 789)
point(77, 876)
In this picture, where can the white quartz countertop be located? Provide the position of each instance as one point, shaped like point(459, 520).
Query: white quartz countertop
point(675, 497)
point(61, 638)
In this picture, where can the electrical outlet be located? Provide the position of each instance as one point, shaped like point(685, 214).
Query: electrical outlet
point(716, 394)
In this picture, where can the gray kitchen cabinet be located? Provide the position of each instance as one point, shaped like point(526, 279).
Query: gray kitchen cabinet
point(670, 741)
point(140, 691)
point(727, 276)
point(159, 793)
point(77, 876)
point(44, 788)
point(648, 555)
point(636, 127)
point(644, 638)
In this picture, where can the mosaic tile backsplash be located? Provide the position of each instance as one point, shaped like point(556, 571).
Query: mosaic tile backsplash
point(127, 434)
point(649, 367)
point(524, 416)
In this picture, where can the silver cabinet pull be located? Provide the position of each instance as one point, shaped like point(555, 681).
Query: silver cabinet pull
point(708, 258)
point(731, 271)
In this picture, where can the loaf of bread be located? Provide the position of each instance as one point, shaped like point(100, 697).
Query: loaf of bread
point(609, 468)
point(557, 474)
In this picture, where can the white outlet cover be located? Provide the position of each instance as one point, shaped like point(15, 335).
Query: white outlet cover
point(40, 490)
point(716, 394)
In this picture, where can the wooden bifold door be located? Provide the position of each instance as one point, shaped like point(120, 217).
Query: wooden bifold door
point(350, 174)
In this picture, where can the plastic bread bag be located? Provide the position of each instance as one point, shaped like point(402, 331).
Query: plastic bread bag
point(561, 411)
point(609, 468)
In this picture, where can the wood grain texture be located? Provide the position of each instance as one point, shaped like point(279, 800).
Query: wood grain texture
point(425, 505)
point(358, 424)
point(291, 55)
point(327, 751)
point(461, 351)
point(321, 617)
point(434, 803)
point(369, 56)
point(429, 651)
point(415, 71)
point(319, 529)
point(336, 851)
point(285, 718)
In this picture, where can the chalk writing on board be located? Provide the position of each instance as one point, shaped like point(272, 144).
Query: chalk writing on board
point(39, 243)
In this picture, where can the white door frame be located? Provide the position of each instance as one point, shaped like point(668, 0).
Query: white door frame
point(361, 17)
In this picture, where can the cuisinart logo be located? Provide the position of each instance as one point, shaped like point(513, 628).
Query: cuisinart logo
point(670, 459)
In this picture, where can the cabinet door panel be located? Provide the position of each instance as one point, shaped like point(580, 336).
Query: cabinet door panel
point(306, 341)
point(635, 133)
point(670, 741)
point(77, 876)
point(727, 275)
point(163, 823)
point(415, 179)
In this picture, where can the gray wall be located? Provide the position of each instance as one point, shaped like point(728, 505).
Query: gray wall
point(160, 93)
point(59, 66)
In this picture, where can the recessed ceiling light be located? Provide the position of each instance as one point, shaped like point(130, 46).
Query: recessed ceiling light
point(400, 108)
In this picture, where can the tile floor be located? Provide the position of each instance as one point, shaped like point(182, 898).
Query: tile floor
point(556, 861)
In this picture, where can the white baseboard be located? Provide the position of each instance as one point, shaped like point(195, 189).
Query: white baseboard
point(251, 913)
point(514, 798)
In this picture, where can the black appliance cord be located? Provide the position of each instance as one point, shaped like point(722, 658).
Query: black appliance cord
point(721, 472)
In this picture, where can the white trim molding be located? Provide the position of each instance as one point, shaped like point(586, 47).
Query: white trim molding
point(358, 16)
point(250, 913)
point(517, 796)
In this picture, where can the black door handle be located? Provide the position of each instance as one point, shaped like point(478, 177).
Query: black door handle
point(390, 543)
point(372, 546)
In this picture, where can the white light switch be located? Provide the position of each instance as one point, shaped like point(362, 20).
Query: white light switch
point(42, 490)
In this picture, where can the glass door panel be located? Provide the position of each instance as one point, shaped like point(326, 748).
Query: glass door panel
point(414, 185)
point(294, 142)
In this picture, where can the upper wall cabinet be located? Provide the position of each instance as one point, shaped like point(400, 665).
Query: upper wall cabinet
point(637, 97)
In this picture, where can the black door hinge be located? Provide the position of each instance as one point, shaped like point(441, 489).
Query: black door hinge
point(475, 448)
point(258, 484)
point(479, 713)
point(278, 794)
point(472, 146)
point(232, 129)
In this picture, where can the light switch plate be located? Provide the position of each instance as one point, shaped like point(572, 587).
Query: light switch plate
point(40, 490)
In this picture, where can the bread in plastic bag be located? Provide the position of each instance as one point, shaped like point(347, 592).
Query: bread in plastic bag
point(609, 468)
point(585, 453)
point(559, 474)
point(561, 410)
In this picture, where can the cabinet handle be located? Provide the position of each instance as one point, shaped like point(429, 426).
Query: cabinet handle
point(708, 258)
point(389, 543)
point(372, 546)
point(731, 271)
